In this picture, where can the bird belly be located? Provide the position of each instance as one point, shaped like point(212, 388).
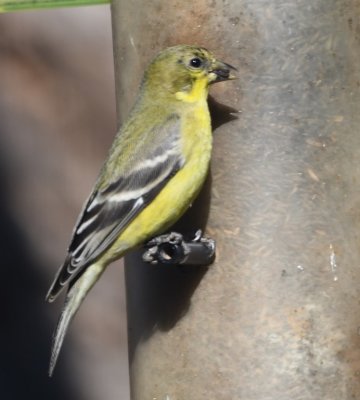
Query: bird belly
point(175, 198)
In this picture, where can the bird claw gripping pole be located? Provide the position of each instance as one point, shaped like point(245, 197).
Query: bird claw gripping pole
point(172, 248)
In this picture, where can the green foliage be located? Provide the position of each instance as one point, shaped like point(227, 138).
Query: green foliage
point(20, 5)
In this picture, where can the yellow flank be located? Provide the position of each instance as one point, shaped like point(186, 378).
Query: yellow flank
point(171, 203)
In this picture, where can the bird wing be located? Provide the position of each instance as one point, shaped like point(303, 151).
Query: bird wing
point(110, 209)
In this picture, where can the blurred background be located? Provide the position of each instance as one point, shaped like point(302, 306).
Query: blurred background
point(57, 120)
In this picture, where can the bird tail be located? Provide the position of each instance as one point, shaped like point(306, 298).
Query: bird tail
point(74, 298)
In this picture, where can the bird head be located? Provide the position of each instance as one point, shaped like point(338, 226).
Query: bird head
point(180, 70)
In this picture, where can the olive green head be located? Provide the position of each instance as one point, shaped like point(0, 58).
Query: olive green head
point(177, 69)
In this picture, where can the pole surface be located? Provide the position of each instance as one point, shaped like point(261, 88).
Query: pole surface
point(277, 315)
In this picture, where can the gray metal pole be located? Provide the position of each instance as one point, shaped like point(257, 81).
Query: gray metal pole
point(277, 315)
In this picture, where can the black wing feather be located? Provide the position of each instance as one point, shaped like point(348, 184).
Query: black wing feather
point(104, 218)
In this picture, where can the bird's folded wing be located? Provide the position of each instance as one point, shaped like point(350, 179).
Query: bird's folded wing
point(110, 209)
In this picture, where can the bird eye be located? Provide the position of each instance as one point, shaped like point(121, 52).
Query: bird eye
point(196, 62)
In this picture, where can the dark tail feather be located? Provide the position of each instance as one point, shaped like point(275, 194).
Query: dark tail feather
point(74, 299)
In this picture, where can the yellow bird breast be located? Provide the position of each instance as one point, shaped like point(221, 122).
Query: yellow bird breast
point(196, 142)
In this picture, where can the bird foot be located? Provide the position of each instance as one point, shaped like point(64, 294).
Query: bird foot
point(172, 248)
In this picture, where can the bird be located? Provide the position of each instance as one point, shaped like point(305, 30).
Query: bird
point(155, 168)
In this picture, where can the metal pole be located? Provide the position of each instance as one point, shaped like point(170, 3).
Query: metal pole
point(277, 315)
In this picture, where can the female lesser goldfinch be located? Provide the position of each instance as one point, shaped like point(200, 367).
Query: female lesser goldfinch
point(155, 168)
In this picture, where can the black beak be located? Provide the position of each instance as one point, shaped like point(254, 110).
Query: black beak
point(222, 71)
